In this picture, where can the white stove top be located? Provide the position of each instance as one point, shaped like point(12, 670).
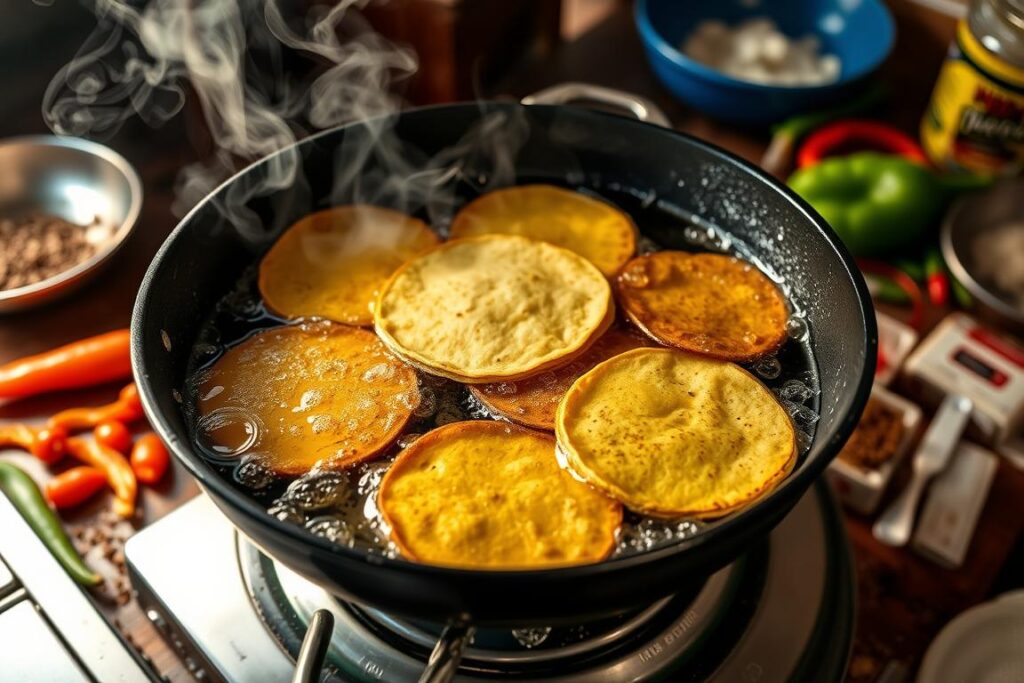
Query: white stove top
point(787, 607)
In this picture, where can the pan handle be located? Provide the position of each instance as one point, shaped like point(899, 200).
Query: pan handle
point(314, 648)
point(444, 660)
point(564, 93)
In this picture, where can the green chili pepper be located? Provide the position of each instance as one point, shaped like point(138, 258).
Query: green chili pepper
point(914, 269)
point(960, 293)
point(876, 203)
point(884, 289)
point(29, 501)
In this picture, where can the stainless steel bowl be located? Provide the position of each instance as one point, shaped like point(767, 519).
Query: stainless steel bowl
point(73, 179)
point(970, 217)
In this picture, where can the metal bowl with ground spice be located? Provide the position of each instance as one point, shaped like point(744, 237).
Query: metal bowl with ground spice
point(66, 206)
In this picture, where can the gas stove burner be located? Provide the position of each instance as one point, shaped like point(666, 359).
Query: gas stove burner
point(784, 611)
point(397, 649)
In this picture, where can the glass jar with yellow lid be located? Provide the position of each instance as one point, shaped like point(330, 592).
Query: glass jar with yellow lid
point(975, 120)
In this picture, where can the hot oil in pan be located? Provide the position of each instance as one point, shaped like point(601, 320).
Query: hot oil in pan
point(340, 506)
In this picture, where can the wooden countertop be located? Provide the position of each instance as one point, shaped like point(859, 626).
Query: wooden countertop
point(904, 600)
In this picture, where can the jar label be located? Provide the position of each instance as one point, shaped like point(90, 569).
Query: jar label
point(975, 121)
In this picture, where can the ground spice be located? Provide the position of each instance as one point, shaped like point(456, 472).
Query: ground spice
point(38, 246)
point(877, 437)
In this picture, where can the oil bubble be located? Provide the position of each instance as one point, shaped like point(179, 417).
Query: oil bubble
point(251, 474)
point(227, 432)
point(796, 391)
point(531, 637)
point(769, 367)
point(649, 533)
point(505, 388)
point(796, 328)
point(381, 371)
point(802, 416)
point(212, 393)
point(310, 398)
point(406, 440)
point(204, 349)
point(331, 528)
point(635, 275)
point(286, 513)
point(316, 491)
point(548, 379)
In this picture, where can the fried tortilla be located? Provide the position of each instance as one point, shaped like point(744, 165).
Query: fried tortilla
point(488, 495)
point(331, 264)
point(594, 229)
point(493, 308)
point(671, 434)
point(532, 401)
point(711, 304)
point(315, 393)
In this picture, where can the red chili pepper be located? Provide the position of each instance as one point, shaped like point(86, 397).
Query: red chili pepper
point(856, 135)
point(74, 486)
point(84, 363)
point(937, 278)
point(127, 408)
point(904, 281)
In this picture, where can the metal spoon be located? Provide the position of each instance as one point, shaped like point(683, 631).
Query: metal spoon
point(897, 522)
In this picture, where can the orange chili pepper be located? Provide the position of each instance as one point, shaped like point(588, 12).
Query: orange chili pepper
point(150, 459)
point(113, 434)
point(74, 486)
point(117, 470)
point(84, 363)
point(46, 443)
point(127, 408)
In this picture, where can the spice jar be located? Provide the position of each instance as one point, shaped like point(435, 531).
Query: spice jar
point(975, 120)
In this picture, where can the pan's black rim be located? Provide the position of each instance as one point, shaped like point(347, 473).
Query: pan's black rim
point(783, 497)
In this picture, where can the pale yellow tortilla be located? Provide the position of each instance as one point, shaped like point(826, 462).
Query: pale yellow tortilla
point(490, 308)
point(595, 230)
point(669, 433)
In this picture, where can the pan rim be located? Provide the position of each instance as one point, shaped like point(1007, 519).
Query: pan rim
point(784, 495)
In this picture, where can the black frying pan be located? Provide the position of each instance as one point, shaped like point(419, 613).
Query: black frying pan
point(206, 253)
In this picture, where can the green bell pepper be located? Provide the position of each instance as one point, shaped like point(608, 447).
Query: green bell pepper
point(876, 203)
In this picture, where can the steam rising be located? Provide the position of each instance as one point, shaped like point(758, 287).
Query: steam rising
point(145, 61)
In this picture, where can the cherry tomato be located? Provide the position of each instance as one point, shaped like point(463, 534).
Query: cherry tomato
point(150, 459)
point(74, 486)
point(113, 434)
point(50, 444)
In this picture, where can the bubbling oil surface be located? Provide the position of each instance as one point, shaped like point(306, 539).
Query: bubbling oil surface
point(340, 506)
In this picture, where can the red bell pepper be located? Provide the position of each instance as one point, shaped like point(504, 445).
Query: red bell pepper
point(904, 281)
point(856, 135)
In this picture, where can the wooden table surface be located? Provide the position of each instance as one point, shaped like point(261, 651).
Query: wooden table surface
point(904, 600)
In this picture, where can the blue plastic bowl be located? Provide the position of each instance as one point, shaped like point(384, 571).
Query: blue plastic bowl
point(860, 32)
